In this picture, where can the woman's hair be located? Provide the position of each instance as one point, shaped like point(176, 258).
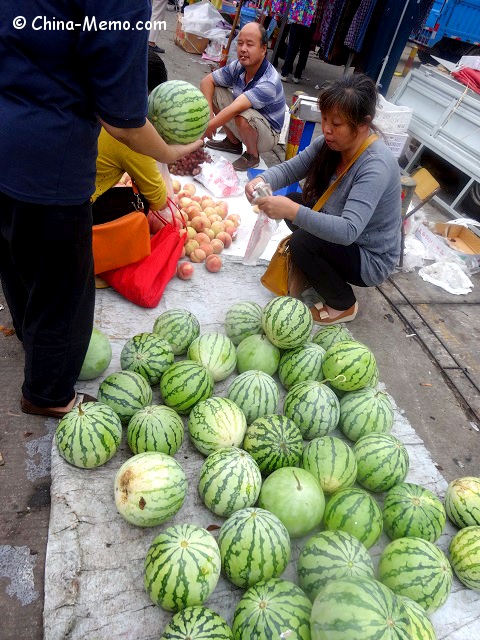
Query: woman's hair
point(355, 97)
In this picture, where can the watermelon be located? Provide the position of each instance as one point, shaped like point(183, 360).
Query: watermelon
point(242, 320)
point(332, 463)
point(313, 407)
point(229, 480)
point(179, 328)
point(462, 501)
point(327, 336)
point(273, 441)
point(185, 384)
point(382, 461)
point(331, 555)
point(257, 353)
point(147, 354)
point(287, 322)
point(422, 628)
point(365, 411)
point(98, 356)
point(216, 352)
point(411, 511)
point(356, 512)
point(465, 556)
point(155, 428)
point(197, 623)
point(178, 111)
point(349, 365)
point(295, 497)
point(417, 569)
point(149, 489)
point(301, 364)
point(89, 435)
point(254, 545)
point(182, 567)
point(125, 392)
point(358, 609)
point(216, 423)
point(255, 393)
point(272, 609)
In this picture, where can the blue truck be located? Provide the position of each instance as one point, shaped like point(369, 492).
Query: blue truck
point(450, 31)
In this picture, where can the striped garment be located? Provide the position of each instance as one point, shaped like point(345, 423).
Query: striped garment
point(264, 91)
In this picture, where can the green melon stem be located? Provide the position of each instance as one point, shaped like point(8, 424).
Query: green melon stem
point(340, 378)
point(299, 486)
point(81, 412)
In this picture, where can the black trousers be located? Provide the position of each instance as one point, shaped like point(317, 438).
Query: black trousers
point(330, 268)
point(46, 268)
point(299, 40)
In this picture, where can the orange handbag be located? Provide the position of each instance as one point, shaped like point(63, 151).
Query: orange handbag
point(121, 241)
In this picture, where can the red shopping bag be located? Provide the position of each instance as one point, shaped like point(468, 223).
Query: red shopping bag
point(144, 282)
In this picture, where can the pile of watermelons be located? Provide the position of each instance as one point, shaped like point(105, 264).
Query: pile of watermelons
point(274, 473)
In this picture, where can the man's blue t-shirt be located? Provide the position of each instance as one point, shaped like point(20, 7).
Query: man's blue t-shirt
point(59, 72)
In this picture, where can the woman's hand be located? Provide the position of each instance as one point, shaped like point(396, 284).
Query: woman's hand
point(250, 187)
point(278, 207)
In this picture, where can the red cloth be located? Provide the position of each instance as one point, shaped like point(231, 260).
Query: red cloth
point(470, 77)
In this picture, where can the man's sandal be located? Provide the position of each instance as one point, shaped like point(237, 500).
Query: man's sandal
point(322, 318)
point(29, 407)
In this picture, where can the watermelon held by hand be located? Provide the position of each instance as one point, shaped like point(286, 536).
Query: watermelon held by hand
point(98, 356)
point(178, 111)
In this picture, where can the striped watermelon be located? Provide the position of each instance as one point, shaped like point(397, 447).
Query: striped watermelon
point(331, 555)
point(356, 512)
point(422, 628)
point(287, 322)
point(382, 461)
point(216, 423)
point(216, 352)
point(89, 435)
point(255, 393)
point(365, 411)
point(313, 407)
point(301, 364)
point(462, 501)
point(149, 489)
point(125, 392)
point(273, 441)
point(178, 111)
point(182, 567)
point(185, 384)
point(257, 353)
point(197, 623)
point(98, 356)
point(349, 366)
point(411, 511)
point(243, 319)
point(331, 461)
point(272, 609)
point(147, 354)
point(358, 609)
point(465, 556)
point(155, 428)
point(254, 545)
point(417, 569)
point(229, 480)
point(179, 328)
point(295, 497)
point(327, 336)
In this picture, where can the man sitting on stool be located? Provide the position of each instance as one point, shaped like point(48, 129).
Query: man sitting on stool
point(253, 113)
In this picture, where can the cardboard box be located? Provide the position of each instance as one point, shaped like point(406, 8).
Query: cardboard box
point(452, 240)
point(188, 41)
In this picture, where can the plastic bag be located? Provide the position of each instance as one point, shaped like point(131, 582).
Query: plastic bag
point(202, 19)
point(214, 50)
point(263, 230)
point(448, 276)
point(219, 178)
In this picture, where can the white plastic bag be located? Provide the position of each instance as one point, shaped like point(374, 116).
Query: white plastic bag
point(448, 276)
point(219, 178)
point(263, 230)
point(202, 19)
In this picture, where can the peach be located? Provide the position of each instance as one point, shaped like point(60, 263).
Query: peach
point(217, 227)
point(191, 233)
point(196, 199)
point(183, 193)
point(224, 237)
point(181, 215)
point(176, 186)
point(208, 211)
point(207, 248)
point(183, 254)
point(210, 233)
point(185, 270)
point(231, 231)
point(198, 255)
point(202, 238)
point(229, 224)
point(215, 218)
point(192, 211)
point(217, 246)
point(207, 203)
point(191, 188)
point(184, 201)
point(222, 208)
point(190, 246)
point(235, 217)
point(200, 223)
point(205, 197)
point(213, 263)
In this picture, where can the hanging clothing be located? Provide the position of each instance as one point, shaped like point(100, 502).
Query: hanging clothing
point(358, 28)
point(336, 51)
point(301, 11)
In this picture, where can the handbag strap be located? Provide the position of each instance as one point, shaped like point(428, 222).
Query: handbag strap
point(325, 196)
point(171, 205)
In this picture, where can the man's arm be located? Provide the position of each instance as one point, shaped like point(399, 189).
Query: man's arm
point(225, 115)
point(207, 87)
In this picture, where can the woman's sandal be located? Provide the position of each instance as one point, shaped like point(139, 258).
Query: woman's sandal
point(29, 407)
point(322, 318)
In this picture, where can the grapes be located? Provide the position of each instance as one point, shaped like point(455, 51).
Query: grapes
point(189, 165)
